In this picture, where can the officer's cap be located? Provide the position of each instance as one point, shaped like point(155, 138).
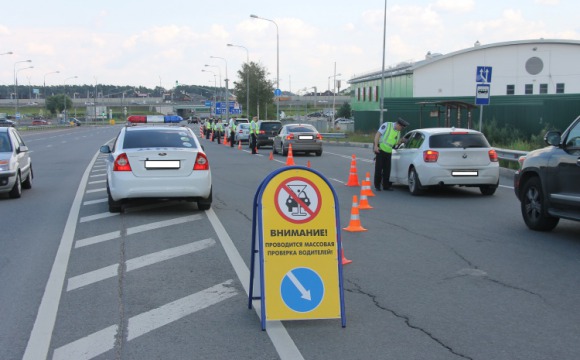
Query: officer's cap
point(402, 122)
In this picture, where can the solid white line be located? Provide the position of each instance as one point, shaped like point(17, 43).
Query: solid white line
point(104, 340)
point(285, 346)
point(137, 263)
point(41, 334)
point(96, 190)
point(97, 217)
point(92, 202)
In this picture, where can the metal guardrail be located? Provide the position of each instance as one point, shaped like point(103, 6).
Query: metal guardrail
point(509, 155)
point(333, 135)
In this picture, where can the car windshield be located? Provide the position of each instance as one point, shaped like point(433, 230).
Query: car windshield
point(4, 143)
point(270, 126)
point(158, 138)
point(469, 140)
point(303, 128)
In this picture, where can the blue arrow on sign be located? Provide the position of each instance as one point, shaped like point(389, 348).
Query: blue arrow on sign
point(483, 74)
point(302, 289)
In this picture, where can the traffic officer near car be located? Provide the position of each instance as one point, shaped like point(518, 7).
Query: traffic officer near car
point(218, 130)
point(232, 127)
point(208, 128)
point(387, 137)
point(254, 134)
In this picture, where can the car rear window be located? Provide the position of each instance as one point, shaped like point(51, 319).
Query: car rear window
point(446, 141)
point(158, 138)
point(268, 126)
point(301, 129)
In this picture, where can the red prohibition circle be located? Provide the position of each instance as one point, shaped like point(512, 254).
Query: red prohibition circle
point(284, 187)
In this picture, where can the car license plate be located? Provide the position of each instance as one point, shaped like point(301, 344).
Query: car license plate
point(464, 173)
point(270, 138)
point(305, 137)
point(162, 164)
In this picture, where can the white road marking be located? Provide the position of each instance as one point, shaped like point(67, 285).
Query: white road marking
point(285, 346)
point(97, 217)
point(92, 202)
point(137, 263)
point(134, 230)
point(97, 182)
point(104, 340)
point(338, 181)
point(96, 190)
point(98, 175)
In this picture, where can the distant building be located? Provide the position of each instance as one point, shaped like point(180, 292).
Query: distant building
point(532, 83)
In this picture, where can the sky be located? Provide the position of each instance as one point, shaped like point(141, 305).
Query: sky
point(156, 43)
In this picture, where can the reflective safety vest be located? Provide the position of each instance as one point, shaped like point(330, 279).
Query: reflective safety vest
point(389, 138)
point(253, 127)
point(208, 125)
point(233, 127)
point(219, 127)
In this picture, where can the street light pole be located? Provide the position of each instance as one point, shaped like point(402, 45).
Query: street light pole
point(16, 85)
point(334, 90)
point(64, 98)
point(220, 76)
point(44, 83)
point(227, 90)
point(277, 62)
point(247, 78)
point(215, 87)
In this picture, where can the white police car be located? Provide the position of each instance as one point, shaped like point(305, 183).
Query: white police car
point(160, 161)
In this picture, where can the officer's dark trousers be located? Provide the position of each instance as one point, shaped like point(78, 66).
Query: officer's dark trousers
point(232, 138)
point(218, 135)
point(383, 170)
point(207, 133)
point(253, 140)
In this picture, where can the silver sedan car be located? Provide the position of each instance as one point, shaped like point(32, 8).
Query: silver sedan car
point(303, 137)
point(242, 132)
point(15, 163)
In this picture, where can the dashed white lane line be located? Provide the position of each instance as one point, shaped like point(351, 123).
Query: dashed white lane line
point(104, 340)
point(137, 263)
point(98, 175)
point(97, 182)
point(96, 190)
point(97, 217)
point(92, 202)
point(135, 230)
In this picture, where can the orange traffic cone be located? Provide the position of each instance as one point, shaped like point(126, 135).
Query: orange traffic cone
point(211, 137)
point(239, 144)
point(353, 177)
point(226, 143)
point(364, 203)
point(271, 155)
point(368, 190)
point(290, 158)
point(308, 164)
point(354, 225)
point(344, 260)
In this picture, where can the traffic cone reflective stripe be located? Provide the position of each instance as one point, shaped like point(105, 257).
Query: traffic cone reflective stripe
point(290, 158)
point(366, 189)
point(343, 259)
point(364, 203)
point(354, 225)
point(368, 180)
point(353, 177)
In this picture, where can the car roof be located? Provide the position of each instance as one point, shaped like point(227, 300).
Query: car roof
point(440, 130)
point(155, 127)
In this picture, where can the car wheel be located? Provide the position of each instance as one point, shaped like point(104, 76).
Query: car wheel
point(488, 190)
point(114, 206)
point(205, 204)
point(284, 150)
point(319, 153)
point(27, 184)
point(533, 207)
point(16, 191)
point(415, 187)
point(274, 150)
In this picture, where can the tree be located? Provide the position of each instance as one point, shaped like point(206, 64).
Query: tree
point(344, 111)
point(55, 104)
point(261, 89)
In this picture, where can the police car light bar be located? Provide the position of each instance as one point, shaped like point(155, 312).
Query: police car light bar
point(154, 119)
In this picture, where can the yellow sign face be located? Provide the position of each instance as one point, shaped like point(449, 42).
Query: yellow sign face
point(300, 250)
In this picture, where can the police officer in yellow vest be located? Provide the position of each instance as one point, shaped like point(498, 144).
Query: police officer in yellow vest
point(232, 127)
point(207, 128)
point(218, 130)
point(388, 136)
point(254, 134)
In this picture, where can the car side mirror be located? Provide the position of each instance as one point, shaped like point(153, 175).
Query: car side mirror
point(553, 138)
point(22, 148)
point(105, 149)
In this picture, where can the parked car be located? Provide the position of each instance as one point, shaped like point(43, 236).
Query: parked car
point(6, 122)
point(303, 138)
point(445, 157)
point(267, 130)
point(242, 132)
point(15, 163)
point(75, 122)
point(548, 181)
point(343, 121)
point(40, 122)
point(157, 161)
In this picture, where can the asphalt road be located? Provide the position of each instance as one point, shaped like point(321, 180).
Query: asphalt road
point(451, 274)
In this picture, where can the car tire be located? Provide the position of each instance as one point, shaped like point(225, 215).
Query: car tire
point(488, 190)
point(16, 191)
point(274, 150)
point(114, 206)
point(284, 151)
point(319, 153)
point(27, 184)
point(533, 207)
point(415, 187)
point(205, 204)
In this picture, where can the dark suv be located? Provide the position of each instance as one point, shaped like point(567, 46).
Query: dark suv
point(267, 130)
point(548, 182)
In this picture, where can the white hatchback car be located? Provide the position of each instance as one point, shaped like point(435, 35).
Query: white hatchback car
point(162, 161)
point(445, 157)
point(15, 163)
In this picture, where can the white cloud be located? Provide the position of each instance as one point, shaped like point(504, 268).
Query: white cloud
point(460, 6)
point(547, 2)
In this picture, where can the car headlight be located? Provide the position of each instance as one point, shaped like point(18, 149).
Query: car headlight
point(4, 165)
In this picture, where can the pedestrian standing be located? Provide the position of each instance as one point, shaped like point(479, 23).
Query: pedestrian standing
point(219, 130)
point(208, 128)
point(232, 131)
point(387, 137)
point(254, 134)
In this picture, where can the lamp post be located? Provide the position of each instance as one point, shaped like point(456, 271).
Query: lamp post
point(214, 85)
point(220, 76)
point(334, 92)
point(247, 78)
point(44, 83)
point(227, 90)
point(277, 62)
point(64, 98)
point(16, 85)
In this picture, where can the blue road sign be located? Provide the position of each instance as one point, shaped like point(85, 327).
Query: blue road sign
point(278, 92)
point(482, 94)
point(302, 289)
point(208, 103)
point(483, 74)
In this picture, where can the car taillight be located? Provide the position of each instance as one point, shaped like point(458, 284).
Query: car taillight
point(201, 162)
point(262, 132)
point(290, 137)
point(430, 156)
point(318, 137)
point(122, 163)
point(493, 156)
